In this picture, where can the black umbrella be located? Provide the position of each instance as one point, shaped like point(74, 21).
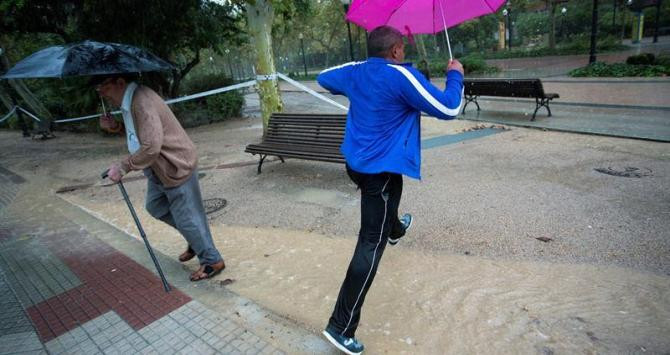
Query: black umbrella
point(86, 58)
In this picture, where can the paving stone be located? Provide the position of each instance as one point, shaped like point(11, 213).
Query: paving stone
point(85, 297)
point(25, 341)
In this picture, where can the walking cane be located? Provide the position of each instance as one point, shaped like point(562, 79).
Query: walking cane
point(139, 227)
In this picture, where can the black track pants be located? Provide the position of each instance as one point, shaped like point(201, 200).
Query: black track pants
point(380, 197)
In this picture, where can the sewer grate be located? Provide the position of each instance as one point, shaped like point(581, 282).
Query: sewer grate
point(627, 171)
point(214, 204)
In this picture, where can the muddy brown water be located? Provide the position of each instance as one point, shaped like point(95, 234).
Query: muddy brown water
point(426, 298)
point(435, 303)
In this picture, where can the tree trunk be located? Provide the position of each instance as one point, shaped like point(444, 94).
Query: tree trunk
point(259, 22)
point(29, 99)
point(178, 75)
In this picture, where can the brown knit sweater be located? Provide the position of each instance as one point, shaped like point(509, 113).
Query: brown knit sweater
point(164, 145)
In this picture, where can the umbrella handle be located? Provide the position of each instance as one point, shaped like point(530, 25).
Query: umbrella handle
point(104, 109)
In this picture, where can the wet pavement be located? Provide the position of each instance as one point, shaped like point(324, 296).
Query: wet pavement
point(70, 284)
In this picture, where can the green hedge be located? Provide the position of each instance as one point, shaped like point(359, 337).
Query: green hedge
point(472, 63)
point(209, 109)
point(645, 64)
point(599, 69)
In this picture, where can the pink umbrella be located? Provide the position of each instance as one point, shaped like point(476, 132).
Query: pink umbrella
point(419, 16)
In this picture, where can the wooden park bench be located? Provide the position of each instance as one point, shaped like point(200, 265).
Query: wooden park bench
point(302, 136)
point(531, 88)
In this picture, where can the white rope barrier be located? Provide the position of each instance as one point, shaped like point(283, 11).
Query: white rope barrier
point(29, 114)
point(9, 114)
point(310, 91)
point(213, 92)
point(84, 117)
point(245, 84)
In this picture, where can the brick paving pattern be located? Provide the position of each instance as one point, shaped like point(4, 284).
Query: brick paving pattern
point(62, 290)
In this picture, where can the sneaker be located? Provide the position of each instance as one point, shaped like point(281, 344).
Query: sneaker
point(406, 221)
point(349, 346)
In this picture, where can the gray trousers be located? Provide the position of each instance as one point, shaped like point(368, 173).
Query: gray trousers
point(181, 207)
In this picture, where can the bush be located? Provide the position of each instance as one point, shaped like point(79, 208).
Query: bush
point(211, 108)
point(599, 69)
point(475, 64)
point(472, 64)
point(663, 60)
point(641, 59)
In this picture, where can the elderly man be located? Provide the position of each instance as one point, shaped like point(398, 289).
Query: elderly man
point(159, 146)
point(381, 143)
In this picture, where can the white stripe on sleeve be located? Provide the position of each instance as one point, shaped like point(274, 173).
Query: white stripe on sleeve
point(426, 95)
point(340, 66)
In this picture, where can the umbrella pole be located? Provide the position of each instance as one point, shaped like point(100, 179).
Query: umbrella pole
point(446, 33)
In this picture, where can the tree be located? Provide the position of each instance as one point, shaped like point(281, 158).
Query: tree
point(260, 15)
point(176, 30)
point(325, 26)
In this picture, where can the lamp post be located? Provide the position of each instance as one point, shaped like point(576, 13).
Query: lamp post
point(302, 48)
point(508, 13)
point(594, 32)
point(563, 12)
point(230, 65)
point(658, 18)
point(346, 3)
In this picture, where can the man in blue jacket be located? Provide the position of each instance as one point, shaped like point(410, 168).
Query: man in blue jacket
point(382, 142)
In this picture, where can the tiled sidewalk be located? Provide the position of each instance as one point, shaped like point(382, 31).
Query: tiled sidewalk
point(63, 290)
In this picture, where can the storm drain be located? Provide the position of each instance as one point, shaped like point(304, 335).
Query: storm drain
point(628, 171)
point(214, 204)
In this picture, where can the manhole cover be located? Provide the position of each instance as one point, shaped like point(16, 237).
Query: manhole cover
point(214, 204)
point(628, 171)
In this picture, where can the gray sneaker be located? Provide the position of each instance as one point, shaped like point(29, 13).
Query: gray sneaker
point(349, 346)
point(406, 221)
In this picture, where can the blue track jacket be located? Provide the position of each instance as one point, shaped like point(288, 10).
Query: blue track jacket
point(383, 132)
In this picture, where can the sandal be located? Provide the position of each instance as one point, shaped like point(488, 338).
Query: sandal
point(187, 255)
point(208, 271)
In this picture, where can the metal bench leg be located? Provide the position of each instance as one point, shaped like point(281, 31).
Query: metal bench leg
point(260, 162)
point(541, 102)
point(469, 99)
point(537, 107)
point(546, 104)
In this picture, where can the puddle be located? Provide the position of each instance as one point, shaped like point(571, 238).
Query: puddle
point(326, 198)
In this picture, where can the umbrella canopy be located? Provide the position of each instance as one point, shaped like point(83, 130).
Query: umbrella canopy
point(418, 16)
point(86, 58)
